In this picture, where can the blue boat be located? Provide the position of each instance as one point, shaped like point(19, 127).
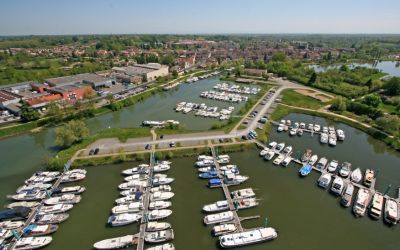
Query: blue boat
point(305, 169)
point(208, 175)
point(214, 183)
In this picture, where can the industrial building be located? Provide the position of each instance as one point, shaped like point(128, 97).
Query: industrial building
point(140, 72)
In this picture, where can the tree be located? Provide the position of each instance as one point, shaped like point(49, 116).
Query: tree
point(174, 74)
point(393, 86)
point(389, 123)
point(338, 104)
point(312, 79)
point(372, 100)
point(72, 132)
point(53, 109)
point(279, 57)
point(28, 113)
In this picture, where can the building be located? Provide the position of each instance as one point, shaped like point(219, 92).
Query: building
point(7, 98)
point(255, 72)
point(94, 80)
point(71, 93)
point(140, 72)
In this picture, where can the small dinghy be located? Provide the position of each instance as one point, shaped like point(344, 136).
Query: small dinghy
point(356, 175)
point(159, 236)
point(117, 243)
point(58, 208)
point(166, 246)
point(157, 226)
point(51, 218)
point(159, 214)
point(123, 219)
point(159, 205)
point(64, 199)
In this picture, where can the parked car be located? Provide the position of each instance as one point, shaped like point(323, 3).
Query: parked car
point(96, 151)
point(172, 144)
point(91, 152)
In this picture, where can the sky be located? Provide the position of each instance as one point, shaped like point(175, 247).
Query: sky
point(56, 17)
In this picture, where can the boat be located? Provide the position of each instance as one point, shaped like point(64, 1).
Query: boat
point(206, 169)
point(159, 214)
point(305, 170)
point(214, 183)
point(208, 175)
point(232, 179)
point(361, 202)
point(293, 131)
point(159, 205)
point(243, 193)
point(340, 135)
point(28, 204)
point(324, 138)
point(281, 127)
point(161, 188)
point(347, 196)
point(51, 218)
point(17, 213)
point(248, 237)
point(332, 166)
point(286, 161)
point(38, 179)
point(141, 169)
point(64, 199)
point(391, 211)
point(332, 141)
point(161, 168)
point(345, 169)
point(55, 209)
point(68, 190)
point(77, 170)
point(72, 177)
point(337, 186)
point(133, 207)
point(159, 196)
point(129, 199)
point(245, 203)
point(5, 234)
point(205, 163)
point(272, 145)
point(39, 230)
point(216, 206)
point(224, 229)
point(321, 164)
point(278, 160)
point(11, 224)
point(376, 207)
point(132, 184)
point(280, 147)
point(313, 160)
point(317, 127)
point(153, 226)
point(300, 132)
point(136, 177)
point(369, 177)
point(287, 150)
point(159, 236)
point(31, 195)
point(356, 175)
point(162, 181)
point(324, 180)
point(123, 219)
point(269, 155)
point(306, 156)
point(218, 218)
point(35, 186)
point(29, 243)
point(166, 246)
point(204, 157)
point(117, 243)
point(132, 191)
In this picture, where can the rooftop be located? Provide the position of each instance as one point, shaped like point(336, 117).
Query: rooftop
point(7, 96)
point(86, 77)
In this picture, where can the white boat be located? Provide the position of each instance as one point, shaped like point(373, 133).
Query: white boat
point(77, 170)
point(324, 138)
point(216, 206)
point(248, 237)
point(161, 188)
point(166, 246)
point(161, 168)
point(29, 204)
point(123, 219)
point(132, 184)
point(280, 147)
point(117, 243)
point(243, 193)
point(129, 199)
point(347, 196)
point(39, 179)
point(332, 141)
point(159, 214)
point(269, 155)
point(287, 150)
point(361, 202)
point(345, 169)
point(55, 209)
point(272, 145)
point(313, 160)
point(136, 177)
point(51, 218)
point(39, 185)
point(28, 243)
point(332, 166)
point(153, 226)
point(133, 207)
point(162, 181)
point(356, 175)
point(206, 169)
point(376, 207)
point(281, 127)
point(317, 127)
point(391, 212)
point(132, 191)
point(204, 157)
point(224, 229)
point(337, 186)
point(159, 236)
point(234, 179)
point(141, 169)
point(278, 160)
point(11, 224)
point(324, 180)
point(159, 205)
point(5, 234)
point(33, 195)
point(293, 131)
point(204, 163)
point(322, 163)
point(286, 161)
point(369, 177)
point(73, 177)
point(160, 196)
point(69, 190)
point(340, 135)
point(218, 218)
point(64, 199)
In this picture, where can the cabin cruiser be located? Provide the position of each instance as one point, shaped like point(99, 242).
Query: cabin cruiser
point(132, 184)
point(280, 147)
point(243, 193)
point(137, 177)
point(204, 157)
point(132, 191)
point(332, 141)
point(313, 160)
point(159, 214)
point(317, 127)
point(161, 168)
point(68, 190)
point(306, 156)
point(11, 224)
point(218, 218)
point(209, 175)
point(324, 138)
point(224, 229)
point(55, 209)
point(5, 234)
point(345, 169)
point(64, 199)
point(281, 127)
point(39, 230)
point(337, 186)
point(223, 159)
point(159, 236)
point(35, 186)
point(356, 175)
point(161, 188)
point(141, 169)
point(207, 169)
point(269, 155)
point(248, 237)
point(123, 219)
point(205, 163)
point(287, 150)
point(130, 198)
point(28, 243)
point(272, 145)
point(324, 180)
point(117, 243)
point(159, 205)
point(332, 166)
point(369, 177)
point(160, 196)
point(166, 246)
point(133, 207)
point(32, 195)
point(376, 206)
point(153, 226)
point(39, 179)
point(391, 211)
point(72, 177)
point(232, 179)
point(51, 218)
point(322, 163)
point(278, 160)
point(216, 206)
point(300, 132)
point(162, 181)
point(286, 161)
point(361, 202)
point(340, 135)
point(347, 196)
point(305, 170)
point(29, 204)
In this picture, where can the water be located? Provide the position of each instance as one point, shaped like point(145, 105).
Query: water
point(390, 67)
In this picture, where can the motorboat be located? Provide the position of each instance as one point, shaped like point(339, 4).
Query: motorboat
point(204, 157)
point(64, 199)
point(337, 186)
point(234, 179)
point(159, 214)
point(278, 160)
point(159, 205)
point(361, 202)
point(280, 147)
point(51, 218)
point(162, 181)
point(39, 230)
point(356, 175)
point(247, 237)
point(325, 129)
point(17, 213)
point(347, 196)
point(321, 164)
point(305, 170)
point(310, 126)
point(141, 169)
point(332, 141)
point(205, 163)
point(160, 196)
point(117, 243)
point(28, 243)
point(317, 127)
point(39, 179)
point(391, 215)
point(324, 180)
point(159, 236)
point(28, 204)
point(32, 195)
point(133, 207)
point(209, 175)
point(77, 170)
point(293, 131)
point(345, 169)
point(153, 226)
point(5, 234)
point(272, 145)
point(313, 160)
point(216, 206)
point(287, 150)
point(281, 127)
point(132, 184)
point(300, 132)
point(129, 199)
point(245, 203)
point(214, 183)
point(206, 169)
point(243, 193)
point(269, 155)
point(286, 161)
point(332, 166)
point(72, 177)
point(306, 156)
point(369, 177)
point(376, 207)
point(340, 134)
point(324, 138)
point(161, 168)
point(35, 186)
point(166, 246)
point(302, 125)
point(55, 209)
point(161, 188)
point(137, 177)
point(224, 229)
point(132, 191)
point(218, 218)
point(11, 224)
point(123, 219)
point(68, 190)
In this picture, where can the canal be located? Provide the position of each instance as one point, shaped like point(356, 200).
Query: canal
point(391, 68)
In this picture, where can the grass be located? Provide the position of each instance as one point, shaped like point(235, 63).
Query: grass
point(17, 129)
point(293, 98)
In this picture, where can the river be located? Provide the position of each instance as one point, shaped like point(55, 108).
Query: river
point(389, 67)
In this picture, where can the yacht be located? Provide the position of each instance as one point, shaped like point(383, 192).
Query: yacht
point(391, 211)
point(72, 177)
point(64, 199)
point(280, 147)
point(369, 177)
point(361, 202)
point(32, 195)
point(166, 246)
point(337, 186)
point(159, 214)
point(132, 184)
point(248, 237)
point(321, 164)
point(129, 199)
point(376, 207)
point(306, 156)
point(4, 234)
point(39, 230)
point(123, 219)
point(345, 169)
point(137, 177)
point(162, 181)
point(117, 243)
point(39, 179)
point(216, 206)
point(313, 160)
point(278, 160)
point(159, 205)
point(324, 180)
point(11, 224)
point(305, 170)
point(224, 229)
point(324, 138)
point(161, 188)
point(161, 168)
point(133, 207)
point(347, 196)
point(141, 169)
point(159, 196)
point(287, 150)
point(68, 190)
point(269, 155)
point(153, 226)
point(51, 218)
point(55, 209)
point(29, 204)
point(356, 175)
point(272, 145)
point(133, 191)
point(232, 179)
point(28, 243)
point(218, 218)
point(332, 166)
point(286, 161)
point(243, 193)
point(34, 186)
point(317, 127)
point(340, 135)
point(159, 236)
